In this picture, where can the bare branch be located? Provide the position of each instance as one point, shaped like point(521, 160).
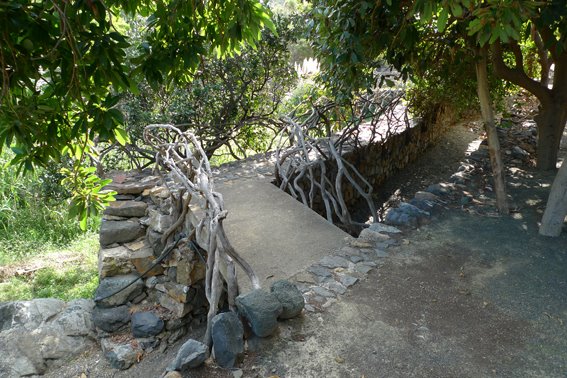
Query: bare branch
point(181, 154)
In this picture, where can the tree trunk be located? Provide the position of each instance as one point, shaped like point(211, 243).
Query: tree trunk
point(556, 209)
point(490, 127)
point(550, 125)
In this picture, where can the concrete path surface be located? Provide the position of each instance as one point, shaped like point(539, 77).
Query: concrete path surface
point(275, 233)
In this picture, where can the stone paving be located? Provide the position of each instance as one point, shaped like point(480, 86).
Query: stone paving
point(321, 259)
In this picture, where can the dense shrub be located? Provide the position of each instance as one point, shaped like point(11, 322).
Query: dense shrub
point(33, 212)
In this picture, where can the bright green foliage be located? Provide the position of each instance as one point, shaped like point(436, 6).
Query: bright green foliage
point(230, 102)
point(33, 214)
point(88, 199)
point(352, 37)
point(62, 63)
point(422, 38)
point(65, 64)
point(66, 284)
point(67, 273)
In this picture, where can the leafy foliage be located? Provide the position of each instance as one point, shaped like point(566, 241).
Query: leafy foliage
point(67, 273)
point(62, 63)
point(230, 103)
point(33, 216)
point(66, 64)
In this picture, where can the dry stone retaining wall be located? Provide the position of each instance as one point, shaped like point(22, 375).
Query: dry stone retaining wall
point(380, 160)
point(159, 307)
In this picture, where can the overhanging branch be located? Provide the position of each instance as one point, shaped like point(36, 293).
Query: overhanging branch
point(517, 75)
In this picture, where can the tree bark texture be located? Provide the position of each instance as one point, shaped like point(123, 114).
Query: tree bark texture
point(550, 125)
point(556, 209)
point(553, 110)
point(490, 127)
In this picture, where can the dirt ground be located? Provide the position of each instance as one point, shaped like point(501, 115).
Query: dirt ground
point(471, 295)
point(466, 298)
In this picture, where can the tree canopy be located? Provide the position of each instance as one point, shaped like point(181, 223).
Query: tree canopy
point(65, 64)
point(354, 37)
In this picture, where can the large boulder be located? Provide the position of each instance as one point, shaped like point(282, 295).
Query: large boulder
point(28, 314)
point(290, 297)
point(261, 309)
point(76, 318)
point(33, 334)
point(228, 339)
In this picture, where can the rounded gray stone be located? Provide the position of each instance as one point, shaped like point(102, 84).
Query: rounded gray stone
point(191, 355)
point(146, 324)
point(261, 309)
point(122, 357)
point(228, 339)
point(290, 297)
point(111, 319)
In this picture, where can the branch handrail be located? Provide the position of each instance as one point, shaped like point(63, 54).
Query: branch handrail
point(181, 154)
point(309, 155)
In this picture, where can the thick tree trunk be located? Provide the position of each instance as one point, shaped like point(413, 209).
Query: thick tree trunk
point(556, 209)
point(490, 127)
point(550, 125)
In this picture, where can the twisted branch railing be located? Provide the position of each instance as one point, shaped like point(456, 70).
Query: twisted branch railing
point(181, 155)
point(303, 168)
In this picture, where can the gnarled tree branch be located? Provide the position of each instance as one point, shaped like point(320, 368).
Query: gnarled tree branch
point(517, 75)
point(181, 154)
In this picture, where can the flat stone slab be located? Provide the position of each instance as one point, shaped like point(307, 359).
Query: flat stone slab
point(119, 231)
point(127, 209)
point(135, 187)
point(276, 234)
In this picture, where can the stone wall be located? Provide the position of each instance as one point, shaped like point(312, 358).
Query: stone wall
point(380, 160)
point(158, 308)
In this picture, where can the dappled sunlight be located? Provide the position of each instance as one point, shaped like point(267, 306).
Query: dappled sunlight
point(473, 146)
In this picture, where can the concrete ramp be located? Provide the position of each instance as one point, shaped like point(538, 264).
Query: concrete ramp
point(276, 234)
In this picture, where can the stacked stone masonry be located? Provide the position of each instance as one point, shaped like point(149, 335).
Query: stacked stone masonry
point(170, 296)
point(158, 308)
point(377, 161)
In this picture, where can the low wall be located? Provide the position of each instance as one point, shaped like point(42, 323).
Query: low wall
point(379, 161)
point(158, 308)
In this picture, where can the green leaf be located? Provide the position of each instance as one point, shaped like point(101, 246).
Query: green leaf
point(456, 9)
point(442, 20)
point(121, 136)
point(83, 220)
